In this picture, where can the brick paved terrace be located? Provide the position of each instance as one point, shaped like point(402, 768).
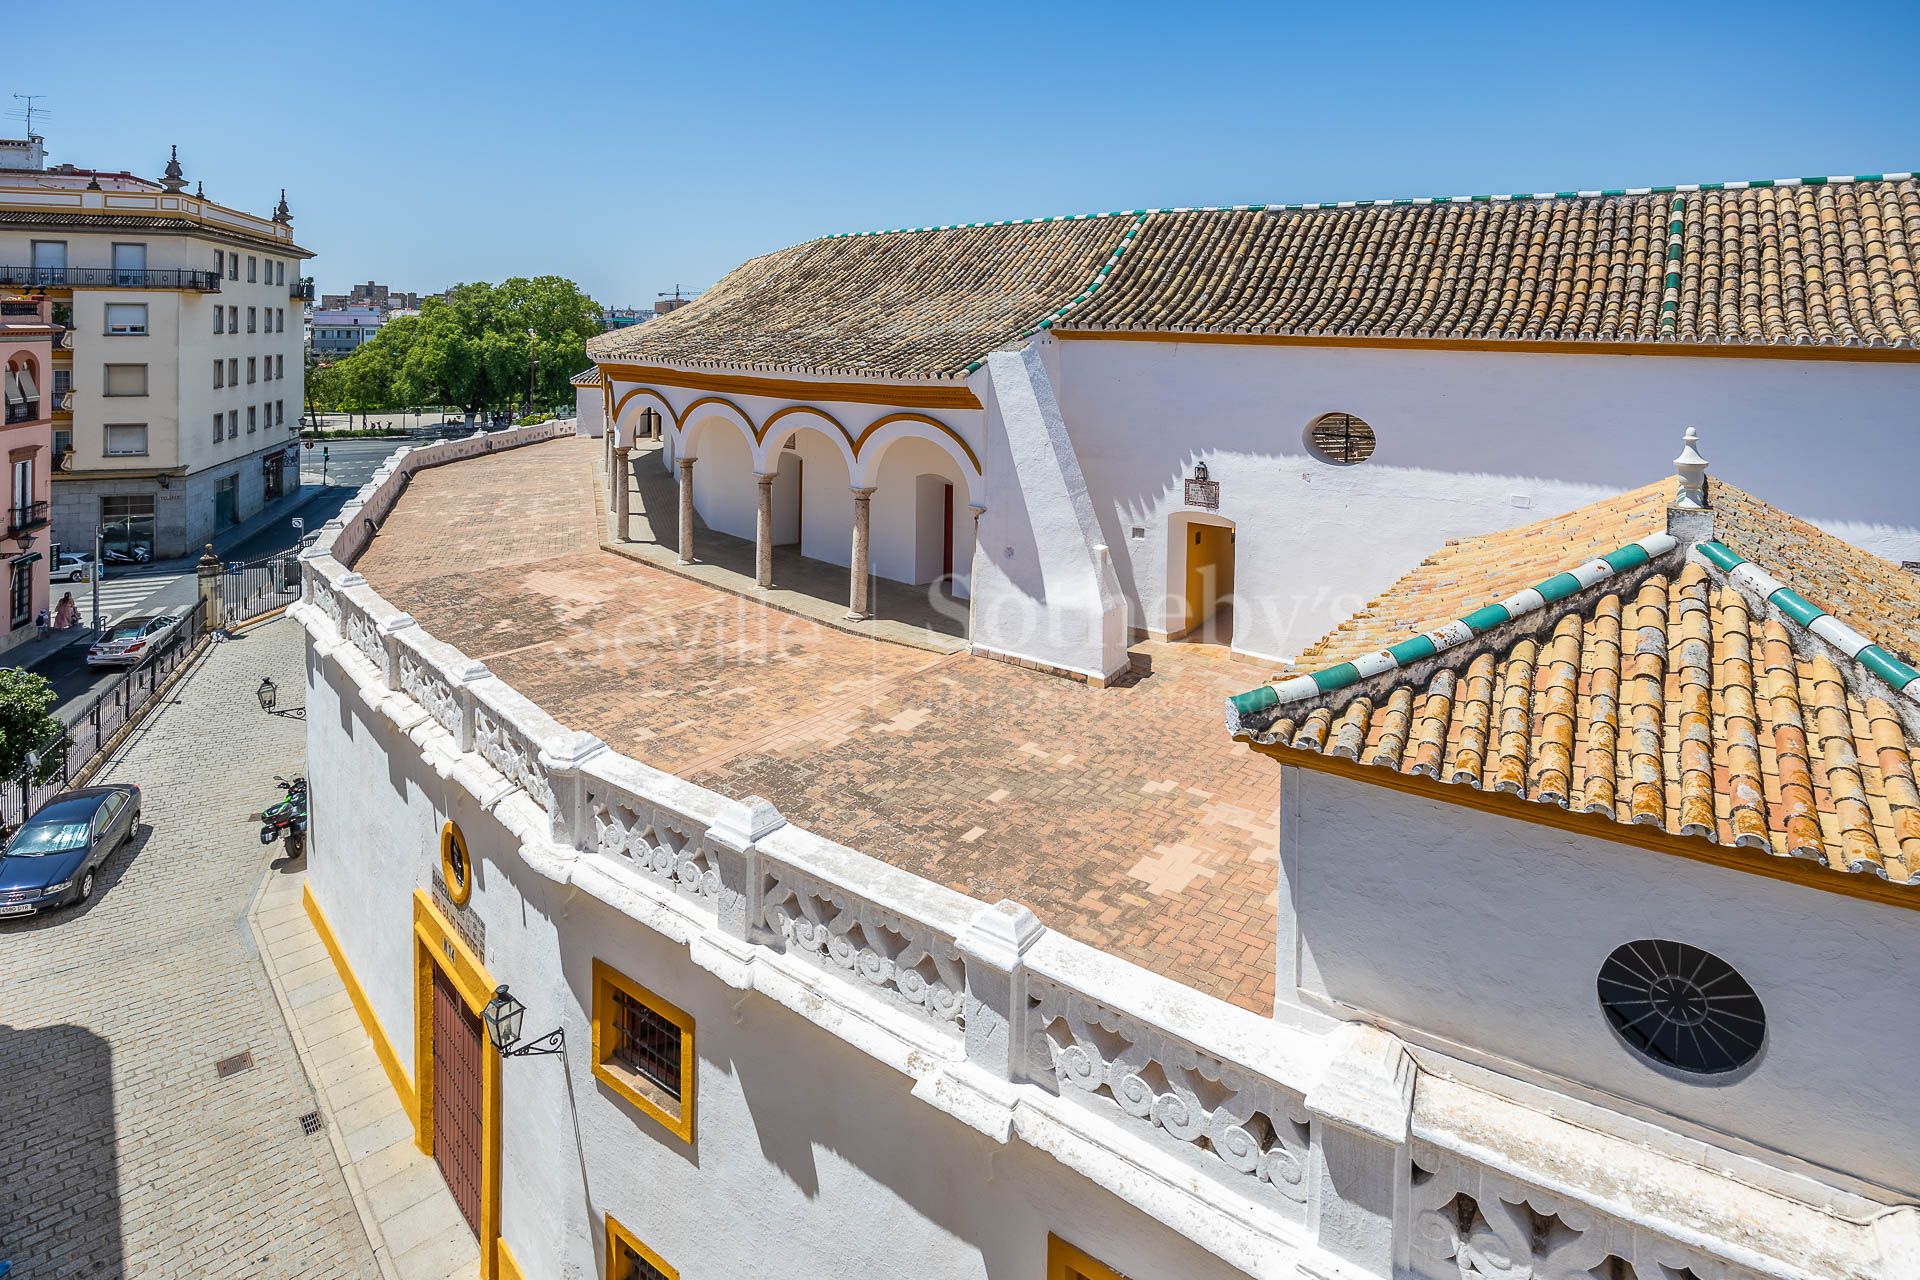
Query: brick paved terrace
point(1124, 817)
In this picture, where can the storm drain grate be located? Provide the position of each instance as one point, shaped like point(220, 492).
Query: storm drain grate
point(235, 1065)
point(310, 1123)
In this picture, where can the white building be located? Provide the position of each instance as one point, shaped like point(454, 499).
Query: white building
point(1465, 365)
point(178, 378)
point(1598, 841)
point(338, 332)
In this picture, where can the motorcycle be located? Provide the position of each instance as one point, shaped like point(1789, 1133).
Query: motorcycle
point(287, 817)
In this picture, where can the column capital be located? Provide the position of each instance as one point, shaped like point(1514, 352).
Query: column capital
point(763, 477)
point(687, 459)
point(862, 492)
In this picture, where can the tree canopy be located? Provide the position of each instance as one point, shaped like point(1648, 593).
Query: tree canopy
point(469, 349)
point(26, 722)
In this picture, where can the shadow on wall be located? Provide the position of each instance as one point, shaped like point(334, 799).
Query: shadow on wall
point(59, 1181)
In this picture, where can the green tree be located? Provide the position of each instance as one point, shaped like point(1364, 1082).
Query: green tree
point(471, 349)
point(26, 719)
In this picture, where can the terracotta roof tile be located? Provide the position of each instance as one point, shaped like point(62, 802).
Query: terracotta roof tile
point(1820, 261)
point(1683, 687)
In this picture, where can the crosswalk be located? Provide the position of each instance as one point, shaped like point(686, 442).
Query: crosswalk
point(119, 596)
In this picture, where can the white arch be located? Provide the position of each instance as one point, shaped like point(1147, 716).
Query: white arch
point(628, 403)
point(781, 426)
point(705, 409)
point(875, 444)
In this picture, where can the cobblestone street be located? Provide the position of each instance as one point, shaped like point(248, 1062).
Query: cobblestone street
point(125, 1152)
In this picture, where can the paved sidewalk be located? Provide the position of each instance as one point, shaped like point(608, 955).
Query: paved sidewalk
point(416, 1228)
point(126, 1151)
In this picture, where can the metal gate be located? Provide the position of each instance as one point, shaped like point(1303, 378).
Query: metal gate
point(254, 587)
point(456, 1096)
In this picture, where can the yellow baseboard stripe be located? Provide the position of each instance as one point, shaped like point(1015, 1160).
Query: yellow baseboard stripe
point(382, 1047)
point(506, 1266)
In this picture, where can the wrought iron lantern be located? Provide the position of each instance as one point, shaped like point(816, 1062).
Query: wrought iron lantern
point(268, 693)
point(1200, 471)
point(503, 1015)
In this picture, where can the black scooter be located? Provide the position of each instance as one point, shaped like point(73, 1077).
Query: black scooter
point(287, 816)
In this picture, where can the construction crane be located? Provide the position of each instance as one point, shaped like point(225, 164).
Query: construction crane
point(677, 298)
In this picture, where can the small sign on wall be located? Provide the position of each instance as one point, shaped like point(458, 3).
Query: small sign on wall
point(1203, 493)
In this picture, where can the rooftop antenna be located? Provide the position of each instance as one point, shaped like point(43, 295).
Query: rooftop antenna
point(28, 114)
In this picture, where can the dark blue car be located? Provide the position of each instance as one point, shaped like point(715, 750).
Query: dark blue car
point(52, 859)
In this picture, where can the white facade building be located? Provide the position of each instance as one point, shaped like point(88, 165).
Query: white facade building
point(179, 377)
point(1599, 829)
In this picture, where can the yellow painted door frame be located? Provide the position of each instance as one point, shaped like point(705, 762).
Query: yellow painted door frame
point(1209, 570)
point(437, 946)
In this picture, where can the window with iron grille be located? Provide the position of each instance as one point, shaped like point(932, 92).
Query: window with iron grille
point(628, 1259)
point(1340, 439)
point(643, 1049)
point(645, 1043)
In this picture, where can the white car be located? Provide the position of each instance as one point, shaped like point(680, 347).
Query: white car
point(131, 641)
point(73, 567)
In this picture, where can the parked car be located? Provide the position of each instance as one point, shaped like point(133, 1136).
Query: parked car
point(52, 859)
point(74, 567)
point(132, 641)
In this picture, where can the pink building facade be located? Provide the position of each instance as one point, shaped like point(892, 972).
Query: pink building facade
point(26, 348)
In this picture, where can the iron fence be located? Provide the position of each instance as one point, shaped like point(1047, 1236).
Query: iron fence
point(91, 725)
point(251, 588)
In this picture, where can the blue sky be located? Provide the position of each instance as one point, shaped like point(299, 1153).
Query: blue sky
point(639, 146)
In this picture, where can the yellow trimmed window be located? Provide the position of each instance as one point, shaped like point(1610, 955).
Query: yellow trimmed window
point(643, 1049)
point(1064, 1262)
point(628, 1259)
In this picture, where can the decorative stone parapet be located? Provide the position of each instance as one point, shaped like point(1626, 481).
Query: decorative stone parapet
point(1317, 1150)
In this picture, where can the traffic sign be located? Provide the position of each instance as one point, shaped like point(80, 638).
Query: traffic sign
point(299, 523)
point(309, 444)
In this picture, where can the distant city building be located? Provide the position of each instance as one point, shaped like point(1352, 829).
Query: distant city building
point(626, 317)
point(341, 331)
point(377, 296)
point(665, 305)
point(173, 314)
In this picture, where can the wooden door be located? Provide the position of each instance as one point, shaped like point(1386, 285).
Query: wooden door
point(946, 538)
point(456, 1096)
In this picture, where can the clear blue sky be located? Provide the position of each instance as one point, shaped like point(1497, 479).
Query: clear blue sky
point(635, 146)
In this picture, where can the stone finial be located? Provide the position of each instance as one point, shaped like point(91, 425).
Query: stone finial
point(281, 212)
point(1693, 474)
point(175, 179)
point(93, 183)
point(200, 191)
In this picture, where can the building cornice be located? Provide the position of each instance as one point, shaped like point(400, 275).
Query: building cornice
point(903, 395)
point(1523, 346)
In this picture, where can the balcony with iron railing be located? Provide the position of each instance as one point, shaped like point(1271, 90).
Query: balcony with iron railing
point(32, 515)
point(109, 278)
point(301, 289)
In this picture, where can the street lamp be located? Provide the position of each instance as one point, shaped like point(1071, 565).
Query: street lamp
point(268, 693)
point(533, 364)
point(503, 1015)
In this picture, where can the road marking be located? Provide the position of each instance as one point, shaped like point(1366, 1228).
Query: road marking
point(118, 596)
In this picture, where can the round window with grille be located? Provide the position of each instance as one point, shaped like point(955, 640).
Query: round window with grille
point(1340, 439)
point(1682, 1007)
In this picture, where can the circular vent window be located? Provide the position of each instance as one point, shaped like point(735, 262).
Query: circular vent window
point(1340, 439)
point(1682, 1007)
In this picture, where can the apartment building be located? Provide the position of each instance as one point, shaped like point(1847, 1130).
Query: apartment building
point(177, 371)
point(26, 351)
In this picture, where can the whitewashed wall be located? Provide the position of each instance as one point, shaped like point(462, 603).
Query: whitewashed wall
point(809, 1154)
point(1486, 935)
point(1469, 442)
point(1006, 1082)
point(590, 410)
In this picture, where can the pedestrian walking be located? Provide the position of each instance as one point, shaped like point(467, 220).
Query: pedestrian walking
point(66, 613)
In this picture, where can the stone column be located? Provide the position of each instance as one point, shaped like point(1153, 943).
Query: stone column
point(857, 593)
point(209, 574)
point(622, 482)
point(686, 509)
point(1359, 1186)
point(763, 534)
